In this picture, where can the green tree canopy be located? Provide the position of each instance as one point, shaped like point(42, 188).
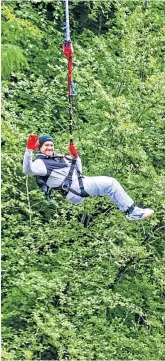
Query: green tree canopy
point(79, 281)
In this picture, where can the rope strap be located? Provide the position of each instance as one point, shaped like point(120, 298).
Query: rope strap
point(68, 52)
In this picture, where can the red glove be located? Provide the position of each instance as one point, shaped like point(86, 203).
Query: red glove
point(73, 150)
point(32, 142)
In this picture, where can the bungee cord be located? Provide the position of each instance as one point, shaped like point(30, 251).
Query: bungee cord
point(68, 52)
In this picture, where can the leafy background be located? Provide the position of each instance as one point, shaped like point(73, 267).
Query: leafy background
point(79, 281)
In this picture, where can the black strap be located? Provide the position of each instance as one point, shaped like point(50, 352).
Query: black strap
point(48, 194)
point(66, 185)
point(41, 181)
point(81, 185)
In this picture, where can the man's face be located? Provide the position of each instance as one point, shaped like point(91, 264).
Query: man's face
point(47, 148)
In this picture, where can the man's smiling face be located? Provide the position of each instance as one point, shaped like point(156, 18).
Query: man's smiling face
point(47, 148)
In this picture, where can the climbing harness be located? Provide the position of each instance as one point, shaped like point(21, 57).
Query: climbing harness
point(66, 185)
point(68, 52)
point(58, 162)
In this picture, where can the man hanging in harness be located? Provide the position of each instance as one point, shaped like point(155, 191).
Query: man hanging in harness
point(60, 173)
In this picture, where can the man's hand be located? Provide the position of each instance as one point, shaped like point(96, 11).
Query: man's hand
point(32, 143)
point(73, 150)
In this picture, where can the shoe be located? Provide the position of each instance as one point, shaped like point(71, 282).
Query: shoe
point(139, 214)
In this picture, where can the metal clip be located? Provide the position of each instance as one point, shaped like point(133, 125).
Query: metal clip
point(64, 187)
point(72, 89)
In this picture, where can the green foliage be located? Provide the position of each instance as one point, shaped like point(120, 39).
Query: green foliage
point(79, 281)
point(13, 60)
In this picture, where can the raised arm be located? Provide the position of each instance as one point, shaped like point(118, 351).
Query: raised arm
point(33, 168)
point(29, 167)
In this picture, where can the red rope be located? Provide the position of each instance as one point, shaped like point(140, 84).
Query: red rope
point(68, 52)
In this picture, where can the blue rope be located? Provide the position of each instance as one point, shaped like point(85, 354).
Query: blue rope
point(67, 31)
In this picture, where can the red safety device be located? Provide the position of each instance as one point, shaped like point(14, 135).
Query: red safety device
point(68, 48)
point(32, 143)
point(68, 51)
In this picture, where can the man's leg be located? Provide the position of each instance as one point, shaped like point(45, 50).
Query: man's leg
point(102, 186)
point(111, 187)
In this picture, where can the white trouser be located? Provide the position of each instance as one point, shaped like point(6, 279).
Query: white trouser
point(102, 186)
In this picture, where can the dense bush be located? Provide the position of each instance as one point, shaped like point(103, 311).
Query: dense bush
point(79, 281)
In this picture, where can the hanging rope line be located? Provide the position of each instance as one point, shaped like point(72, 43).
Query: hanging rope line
point(68, 52)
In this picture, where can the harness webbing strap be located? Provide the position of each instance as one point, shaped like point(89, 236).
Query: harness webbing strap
point(41, 181)
point(66, 185)
point(68, 180)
